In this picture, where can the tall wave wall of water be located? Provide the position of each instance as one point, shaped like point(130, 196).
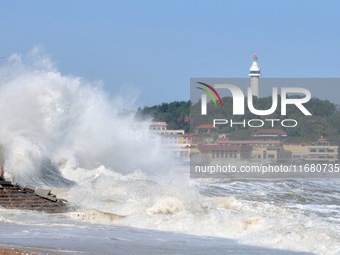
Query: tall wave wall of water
point(66, 122)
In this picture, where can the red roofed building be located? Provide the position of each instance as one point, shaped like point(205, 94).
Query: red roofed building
point(206, 129)
point(223, 140)
point(158, 125)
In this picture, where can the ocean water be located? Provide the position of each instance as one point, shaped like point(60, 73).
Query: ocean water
point(130, 196)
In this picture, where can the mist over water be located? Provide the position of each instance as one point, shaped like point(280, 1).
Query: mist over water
point(67, 120)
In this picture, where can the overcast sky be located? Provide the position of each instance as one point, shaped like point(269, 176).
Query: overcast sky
point(157, 46)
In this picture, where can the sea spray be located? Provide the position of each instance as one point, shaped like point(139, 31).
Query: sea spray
point(74, 123)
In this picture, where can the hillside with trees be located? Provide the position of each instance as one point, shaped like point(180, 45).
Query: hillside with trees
point(325, 119)
point(175, 114)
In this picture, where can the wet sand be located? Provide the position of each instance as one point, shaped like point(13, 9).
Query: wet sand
point(15, 252)
point(86, 239)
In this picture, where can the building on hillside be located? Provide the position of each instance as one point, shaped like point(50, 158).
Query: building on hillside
point(320, 151)
point(157, 126)
point(218, 151)
point(206, 129)
point(180, 139)
point(299, 151)
point(323, 150)
point(261, 149)
point(161, 128)
point(178, 144)
point(173, 140)
point(269, 134)
point(253, 142)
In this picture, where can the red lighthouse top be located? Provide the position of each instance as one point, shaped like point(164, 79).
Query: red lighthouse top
point(255, 57)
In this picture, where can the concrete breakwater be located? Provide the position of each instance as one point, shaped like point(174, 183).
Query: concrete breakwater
point(13, 196)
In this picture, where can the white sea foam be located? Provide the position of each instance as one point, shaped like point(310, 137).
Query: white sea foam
point(68, 120)
point(173, 204)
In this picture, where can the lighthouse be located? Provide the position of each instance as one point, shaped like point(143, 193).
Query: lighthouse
point(255, 73)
